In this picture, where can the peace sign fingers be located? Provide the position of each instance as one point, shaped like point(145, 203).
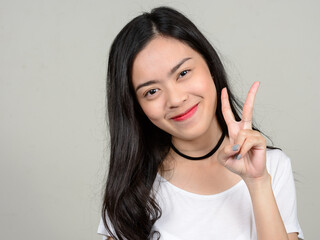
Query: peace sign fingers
point(246, 122)
point(248, 106)
point(246, 152)
point(226, 109)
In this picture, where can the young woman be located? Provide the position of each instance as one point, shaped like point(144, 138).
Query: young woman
point(183, 163)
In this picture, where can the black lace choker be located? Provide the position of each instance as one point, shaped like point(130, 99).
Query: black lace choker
point(203, 157)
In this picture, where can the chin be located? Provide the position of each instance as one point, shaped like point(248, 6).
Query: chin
point(191, 133)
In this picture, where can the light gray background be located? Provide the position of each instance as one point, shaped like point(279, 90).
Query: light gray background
point(52, 129)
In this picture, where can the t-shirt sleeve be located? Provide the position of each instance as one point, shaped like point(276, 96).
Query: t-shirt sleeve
point(102, 229)
point(279, 167)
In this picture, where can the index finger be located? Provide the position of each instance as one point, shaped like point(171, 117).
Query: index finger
point(248, 105)
point(225, 107)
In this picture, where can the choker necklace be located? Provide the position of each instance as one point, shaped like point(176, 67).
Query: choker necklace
point(203, 157)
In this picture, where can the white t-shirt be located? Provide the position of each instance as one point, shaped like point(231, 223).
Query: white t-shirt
point(226, 215)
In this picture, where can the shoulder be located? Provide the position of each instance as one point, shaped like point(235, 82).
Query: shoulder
point(277, 161)
point(279, 167)
point(102, 230)
point(283, 185)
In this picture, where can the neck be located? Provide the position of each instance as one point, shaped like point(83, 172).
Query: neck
point(201, 145)
point(196, 158)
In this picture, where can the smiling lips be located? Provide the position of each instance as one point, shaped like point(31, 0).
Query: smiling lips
point(189, 113)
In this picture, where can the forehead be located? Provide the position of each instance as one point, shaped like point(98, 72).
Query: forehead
point(163, 46)
point(158, 57)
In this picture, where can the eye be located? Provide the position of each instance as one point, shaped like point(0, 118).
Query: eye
point(151, 92)
point(183, 73)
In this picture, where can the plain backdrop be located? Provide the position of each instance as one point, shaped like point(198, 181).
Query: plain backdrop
point(53, 135)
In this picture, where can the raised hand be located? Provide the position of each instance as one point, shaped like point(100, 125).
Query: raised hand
point(246, 154)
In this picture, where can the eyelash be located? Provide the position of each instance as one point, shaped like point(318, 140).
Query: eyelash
point(149, 92)
point(185, 72)
point(154, 90)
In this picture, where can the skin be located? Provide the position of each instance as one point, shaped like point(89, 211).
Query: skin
point(174, 93)
point(170, 78)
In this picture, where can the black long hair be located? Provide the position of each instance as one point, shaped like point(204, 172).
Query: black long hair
point(137, 146)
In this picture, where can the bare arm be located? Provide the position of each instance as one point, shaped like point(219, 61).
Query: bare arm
point(293, 236)
point(268, 220)
point(246, 156)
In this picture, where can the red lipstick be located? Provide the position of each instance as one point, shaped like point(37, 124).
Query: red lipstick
point(189, 113)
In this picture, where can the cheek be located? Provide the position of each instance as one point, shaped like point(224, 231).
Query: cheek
point(205, 86)
point(152, 115)
point(207, 90)
point(213, 94)
point(152, 110)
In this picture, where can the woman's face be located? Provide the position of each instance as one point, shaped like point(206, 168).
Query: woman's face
point(174, 88)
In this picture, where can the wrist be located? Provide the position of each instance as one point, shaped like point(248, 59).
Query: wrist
point(258, 183)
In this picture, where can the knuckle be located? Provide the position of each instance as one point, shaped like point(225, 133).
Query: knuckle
point(256, 133)
point(242, 133)
point(251, 139)
point(245, 133)
point(225, 151)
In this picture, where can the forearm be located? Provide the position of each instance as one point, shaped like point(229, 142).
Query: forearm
point(268, 220)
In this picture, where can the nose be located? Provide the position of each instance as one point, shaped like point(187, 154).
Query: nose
point(176, 96)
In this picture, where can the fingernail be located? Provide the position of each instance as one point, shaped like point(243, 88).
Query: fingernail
point(237, 156)
point(235, 147)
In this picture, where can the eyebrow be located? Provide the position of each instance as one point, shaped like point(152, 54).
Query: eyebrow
point(146, 84)
point(176, 67)
point(172, 71)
